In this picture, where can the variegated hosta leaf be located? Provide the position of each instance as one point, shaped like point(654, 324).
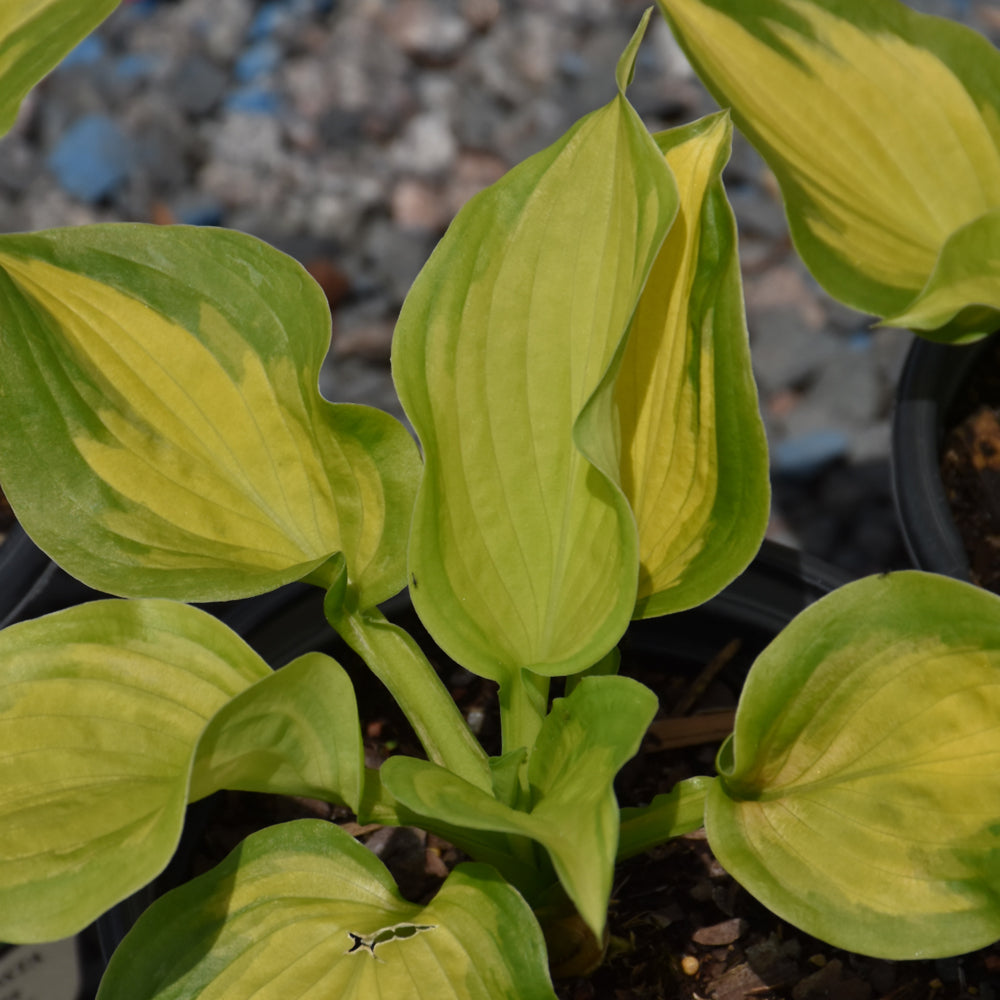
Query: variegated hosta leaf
point(694, 456)
point(163, 429)
point(523, 551)
point(34, 36)
point(882, 126)
point(102, 710)
point(961, 300)
point(584, 741)
point(858, 795)
point(303, 909)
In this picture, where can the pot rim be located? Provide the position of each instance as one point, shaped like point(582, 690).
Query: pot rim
point(931, 378)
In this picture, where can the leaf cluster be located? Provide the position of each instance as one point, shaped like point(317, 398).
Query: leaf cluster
point(574, 361)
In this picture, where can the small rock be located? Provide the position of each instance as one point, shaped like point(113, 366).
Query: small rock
point(371, 341)
point(427, 145)
point(247, 140)
point(718, 934)
point(474, 171)
point(831, 983)
point(260, 59)
point(417, 204)
point(197, 85)
point(92, 159)
point(806, 455)
point(428, 34)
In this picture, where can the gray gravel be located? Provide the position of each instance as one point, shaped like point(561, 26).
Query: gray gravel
point(349, 133)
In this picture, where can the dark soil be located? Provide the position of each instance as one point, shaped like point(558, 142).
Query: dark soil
point(970, 469)
point(681, 928)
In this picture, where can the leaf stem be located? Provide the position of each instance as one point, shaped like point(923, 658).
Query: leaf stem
point(524, 701)
point(396, 659)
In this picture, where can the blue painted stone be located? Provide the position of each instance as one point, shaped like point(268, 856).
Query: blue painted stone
point(254, 100)
point(808, 454)
point(259, 59)
point(92, 158)
point(89, 52)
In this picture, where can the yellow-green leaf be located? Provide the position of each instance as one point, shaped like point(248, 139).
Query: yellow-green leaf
point(583, 743)
point(857, 797)
point(694, 456)
point(163, 429)
point(881, 125)
point(113, 716)
point(523, 551)
point(303, 909)
point(100, 710)
point(34, 36)
point(961, 300)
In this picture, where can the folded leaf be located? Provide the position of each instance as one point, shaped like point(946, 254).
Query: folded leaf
point(694, 456)
point(523, 549)
point(34, 36)
point(296, 732)
point(857, 796)
point(582, 745)
point(183, 449)
point(304, 909)
point(102, 710)
point(961, 300)
point(881, 125)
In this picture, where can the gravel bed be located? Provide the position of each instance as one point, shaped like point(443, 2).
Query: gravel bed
point(349, 133)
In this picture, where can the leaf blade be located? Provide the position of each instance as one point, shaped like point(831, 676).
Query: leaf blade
point(523, 549)
point(694, 454)
point(100, 709)
point(303, 907)
point(190, 454)
point(34, 37)
point(855, 798)
point(871, 195)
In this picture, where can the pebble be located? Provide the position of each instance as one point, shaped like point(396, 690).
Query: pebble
point(368, 125)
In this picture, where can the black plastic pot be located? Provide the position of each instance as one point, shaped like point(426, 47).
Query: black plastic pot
point(930, 385)
point(778, 584)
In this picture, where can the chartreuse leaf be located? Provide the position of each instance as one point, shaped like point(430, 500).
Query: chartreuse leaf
point(102, 708)
point(169, 378)
point(34, 36)
point(302, 909)
point(523, 552)
point(858, 795)
point(582, 745)
point(669, 815)
point(881, 125)
point(961, 300)
point(296, 732)
point(694, 457)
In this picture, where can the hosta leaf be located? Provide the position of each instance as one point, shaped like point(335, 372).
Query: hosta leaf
point(961, 301)
point(523, 551)
point(163, 429)
point(669, 815)
point(303, 909)
point(34, 36)
point(857, 797)
point(296, 732)
point(694, 457)
point(102, 708)
point(881, 125)
point(582, 745)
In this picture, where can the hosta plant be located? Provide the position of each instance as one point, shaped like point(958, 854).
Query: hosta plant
point(574, 361)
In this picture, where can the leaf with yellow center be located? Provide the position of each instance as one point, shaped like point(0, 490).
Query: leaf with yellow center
point(881, 125)
point(164, 431)
point(694, 457)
